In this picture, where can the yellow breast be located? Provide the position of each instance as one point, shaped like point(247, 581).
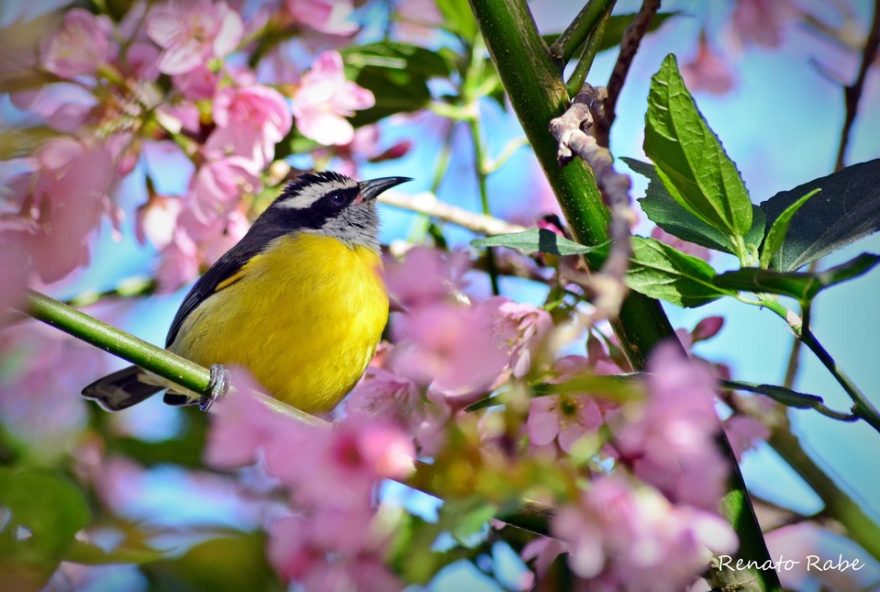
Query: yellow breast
point(304, 317)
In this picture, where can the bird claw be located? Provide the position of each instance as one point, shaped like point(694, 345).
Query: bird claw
point(219, 385)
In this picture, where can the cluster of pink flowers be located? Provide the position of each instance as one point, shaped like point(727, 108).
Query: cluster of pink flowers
point(57, 202)
point(671, 444)
point(625, 536)
point(331, 539)
point(657, 528)
point(446, 346)
point(228, 123)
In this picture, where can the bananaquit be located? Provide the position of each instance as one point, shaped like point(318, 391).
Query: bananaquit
point(298, 301)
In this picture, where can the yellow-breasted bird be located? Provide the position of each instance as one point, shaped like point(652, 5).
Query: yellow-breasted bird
point(298, 301)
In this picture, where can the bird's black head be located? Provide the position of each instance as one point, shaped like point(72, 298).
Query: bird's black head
point(332, 204)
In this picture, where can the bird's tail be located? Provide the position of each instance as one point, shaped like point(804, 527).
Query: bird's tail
point(122, 389)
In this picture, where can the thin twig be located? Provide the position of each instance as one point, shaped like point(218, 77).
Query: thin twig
point(480, 166)
point(629, 45)
point(580, 28)
point(852, 93)
point(427, 203)
point(591, 48)
point(568, 129)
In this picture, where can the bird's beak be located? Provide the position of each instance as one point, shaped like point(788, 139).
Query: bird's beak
point(371, 189)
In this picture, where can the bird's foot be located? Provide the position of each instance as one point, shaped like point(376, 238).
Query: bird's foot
point(218, 386)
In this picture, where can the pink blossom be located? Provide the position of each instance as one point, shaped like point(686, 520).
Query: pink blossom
point(707, 71)
point(799, 541)
point(198, 83)
point(36, 409)
point(218, 185)
point(626, 537)
point(384, 395)
point(325, 16)
point(418, 20)
point(193, 33)
point(64, 106)
point(424, 276)
point(347, 459)
point(80, 46)
point(178, 116)
point(156, 219)
point(178, 264)
point(684, 246)
point(300, 551)
point(671, 443)
point(744, 433)
point(451, 348)
point(242, 424)
point(197, 242)
point(544, 551)
point(522, 328)
point(142, 61)
point(13, 271)
point(563, 417)
point(250, 121)
point(325, 98)
point(64, 200)
point(761, 22)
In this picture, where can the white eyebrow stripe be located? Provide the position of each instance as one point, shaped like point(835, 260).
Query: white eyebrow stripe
point(309, 194)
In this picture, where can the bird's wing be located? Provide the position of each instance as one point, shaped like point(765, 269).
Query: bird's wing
point(225, 272)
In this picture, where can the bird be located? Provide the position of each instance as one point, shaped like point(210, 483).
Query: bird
point(298, 301)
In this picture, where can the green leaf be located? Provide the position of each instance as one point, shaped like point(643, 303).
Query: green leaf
point(780, 394)
point(230, 562)
point(45, 511)
point(470, 518)
point(669, 215)
point(660, 271)
point(777, 232)
point(458, 19)
point(672, 217)
point(800, 285)
point(847, 209)
point(91, 554)
point(690, 159)
point(536, 240)
point(396, 73)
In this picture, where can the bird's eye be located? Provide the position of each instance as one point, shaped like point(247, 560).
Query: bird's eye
point(337, 199)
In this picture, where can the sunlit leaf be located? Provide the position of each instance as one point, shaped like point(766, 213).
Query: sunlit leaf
point(689, 157)
point(458, 18)
point(660, 271)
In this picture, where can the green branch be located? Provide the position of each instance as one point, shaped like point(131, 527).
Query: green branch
point(583, 26)
point(531, 79)
point(588, 54)
point(119, 343)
